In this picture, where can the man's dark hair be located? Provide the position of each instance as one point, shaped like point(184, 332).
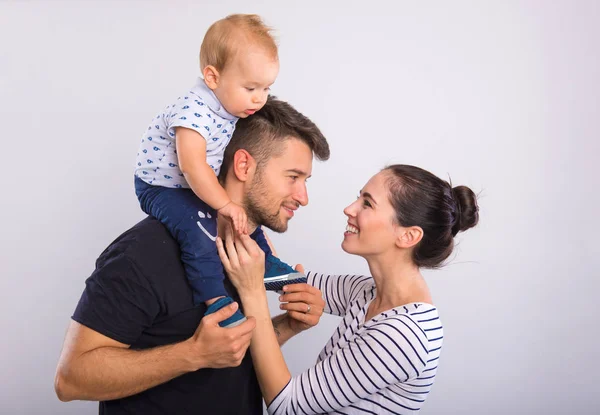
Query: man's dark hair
point(263, 134)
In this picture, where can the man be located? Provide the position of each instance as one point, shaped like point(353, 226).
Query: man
point(136, 342)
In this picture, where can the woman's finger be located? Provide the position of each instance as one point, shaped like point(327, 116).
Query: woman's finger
point(250, 245)
point(227, 230)
point(231, 250)
point(296, 297)
point(301, 287)
point(223, 254)
point(243, 229)
point(303, 292)
point(302, 308)
point(307, 319)
point(240, 247)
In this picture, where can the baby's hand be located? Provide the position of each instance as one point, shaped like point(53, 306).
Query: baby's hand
point(237, 215)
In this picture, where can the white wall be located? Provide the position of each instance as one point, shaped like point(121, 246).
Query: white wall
point(503, 96)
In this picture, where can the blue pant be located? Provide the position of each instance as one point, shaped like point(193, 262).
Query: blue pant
point(194, 225)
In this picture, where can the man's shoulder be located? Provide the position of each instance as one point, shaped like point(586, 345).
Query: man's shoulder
point(148, 244)
point(148, 231)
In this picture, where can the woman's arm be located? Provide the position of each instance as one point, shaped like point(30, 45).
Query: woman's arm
point(244, 262)
point(271, 369)
point(394, 350)
point(338, 291)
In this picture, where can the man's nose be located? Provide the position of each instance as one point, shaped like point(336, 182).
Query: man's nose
point(301, 195)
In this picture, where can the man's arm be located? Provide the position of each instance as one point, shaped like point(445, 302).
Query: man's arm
point(95, 367)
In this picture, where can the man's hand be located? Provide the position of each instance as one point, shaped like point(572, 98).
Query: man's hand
point(215, 347)
point(304, 305)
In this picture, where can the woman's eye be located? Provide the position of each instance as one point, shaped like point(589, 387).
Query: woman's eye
point(365, 203)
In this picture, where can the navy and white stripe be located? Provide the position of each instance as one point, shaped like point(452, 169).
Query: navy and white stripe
point(385, 365)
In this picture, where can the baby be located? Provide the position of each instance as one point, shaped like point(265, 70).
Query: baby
point(182, 151)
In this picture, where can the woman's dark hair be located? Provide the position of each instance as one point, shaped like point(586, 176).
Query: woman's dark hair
point(422, 199)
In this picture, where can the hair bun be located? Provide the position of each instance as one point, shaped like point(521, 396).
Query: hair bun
point(468, 210)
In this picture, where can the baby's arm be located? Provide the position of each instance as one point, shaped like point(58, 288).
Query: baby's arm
point(191, 154)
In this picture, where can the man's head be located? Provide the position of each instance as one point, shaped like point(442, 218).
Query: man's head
point(268, 161)
point(239, 62)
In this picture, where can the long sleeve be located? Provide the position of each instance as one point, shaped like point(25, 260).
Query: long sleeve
point(392, 350)
point(340, 290)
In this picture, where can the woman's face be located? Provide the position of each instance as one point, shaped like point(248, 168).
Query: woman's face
point(371, 229)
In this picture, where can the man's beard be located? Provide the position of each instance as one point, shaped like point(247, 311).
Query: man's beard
point(257, 212)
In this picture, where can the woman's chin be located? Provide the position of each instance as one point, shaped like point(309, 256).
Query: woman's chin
point(347, 246)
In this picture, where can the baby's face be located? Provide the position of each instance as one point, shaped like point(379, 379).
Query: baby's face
point(244, 83)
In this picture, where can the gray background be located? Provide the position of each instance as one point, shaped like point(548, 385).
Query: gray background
point(501, 96)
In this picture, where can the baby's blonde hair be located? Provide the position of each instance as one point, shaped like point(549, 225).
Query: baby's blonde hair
point(227, 36)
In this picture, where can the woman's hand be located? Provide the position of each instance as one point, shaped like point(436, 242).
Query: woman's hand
point(304, 305)
point(243, 261)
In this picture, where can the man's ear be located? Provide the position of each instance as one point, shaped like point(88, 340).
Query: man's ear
point(211, 77)
point(244, 165)
point(408, 237)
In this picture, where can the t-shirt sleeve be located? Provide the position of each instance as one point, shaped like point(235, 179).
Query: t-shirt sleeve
point(339, 290)
point(118, 301)
point(192, 112)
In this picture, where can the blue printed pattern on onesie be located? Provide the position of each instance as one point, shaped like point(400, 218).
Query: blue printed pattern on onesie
point(199, 110)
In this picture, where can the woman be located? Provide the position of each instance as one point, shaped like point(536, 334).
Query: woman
point(384, 355)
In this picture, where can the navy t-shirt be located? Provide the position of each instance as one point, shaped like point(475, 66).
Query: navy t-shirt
point(139, 295)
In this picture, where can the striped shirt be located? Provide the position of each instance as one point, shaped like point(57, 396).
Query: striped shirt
point(384, 365)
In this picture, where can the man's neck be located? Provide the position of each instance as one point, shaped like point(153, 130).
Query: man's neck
point(235, 190)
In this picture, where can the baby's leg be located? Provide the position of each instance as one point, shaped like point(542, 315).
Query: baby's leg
point(194, 224)
point(277, 272)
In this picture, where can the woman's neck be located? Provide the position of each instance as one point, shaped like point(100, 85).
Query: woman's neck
point(398, 281)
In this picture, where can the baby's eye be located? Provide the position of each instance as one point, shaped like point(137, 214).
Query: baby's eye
point(249, 89)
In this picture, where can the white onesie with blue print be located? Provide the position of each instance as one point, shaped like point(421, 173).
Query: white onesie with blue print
point(199, 110)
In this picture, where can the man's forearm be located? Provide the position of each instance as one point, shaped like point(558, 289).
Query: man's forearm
point(109, 373)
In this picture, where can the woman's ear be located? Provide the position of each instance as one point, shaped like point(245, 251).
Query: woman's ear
point(211, 77)
point(243, 165)
point(409, 237)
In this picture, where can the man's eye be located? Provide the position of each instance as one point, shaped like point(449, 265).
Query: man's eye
point(293, 177)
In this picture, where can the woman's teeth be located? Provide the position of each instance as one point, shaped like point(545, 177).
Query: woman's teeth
point(351, 229)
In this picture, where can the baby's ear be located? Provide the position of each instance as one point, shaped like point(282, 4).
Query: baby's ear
point(211, 77)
